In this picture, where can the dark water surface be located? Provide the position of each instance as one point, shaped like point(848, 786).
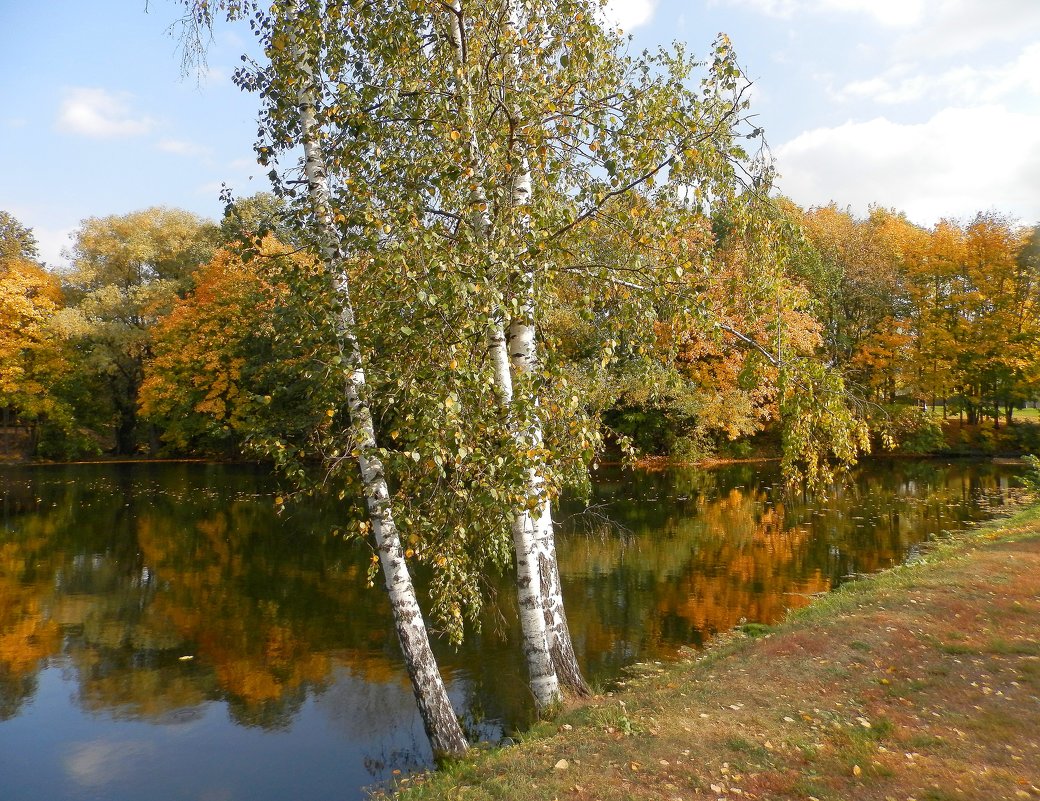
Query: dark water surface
point(165, 635)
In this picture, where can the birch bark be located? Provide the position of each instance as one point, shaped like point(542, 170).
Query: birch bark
point(523, 358)
point(541, 675)
point(439, 719)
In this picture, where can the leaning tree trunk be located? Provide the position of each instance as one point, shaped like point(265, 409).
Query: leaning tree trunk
point(523, 359)
point(523, 355)
point(439, 719)
point(542, 678)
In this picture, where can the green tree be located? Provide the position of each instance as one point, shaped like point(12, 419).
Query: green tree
point(16, 241)
point(126, 271)
point(500, 154)
point(253, 218)
point(293, 85)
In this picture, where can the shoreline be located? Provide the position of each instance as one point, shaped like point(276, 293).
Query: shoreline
point(919, 682)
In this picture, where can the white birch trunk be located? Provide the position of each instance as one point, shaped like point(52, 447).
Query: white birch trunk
point(523, 359)
point(561, 647)
point(523, 356)
point(542, 678)
point(439, 719)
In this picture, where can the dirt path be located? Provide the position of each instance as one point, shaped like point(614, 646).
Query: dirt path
point(921, 683)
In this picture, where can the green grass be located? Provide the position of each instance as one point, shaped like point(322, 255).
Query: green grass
point(1019, 415)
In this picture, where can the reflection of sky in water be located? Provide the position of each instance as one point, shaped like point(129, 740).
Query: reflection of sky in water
point(349, 737)
point(102, 762)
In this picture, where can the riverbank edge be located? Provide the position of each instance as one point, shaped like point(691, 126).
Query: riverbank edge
point(920, 682)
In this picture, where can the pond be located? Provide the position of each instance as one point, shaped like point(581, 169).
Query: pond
point(165, 635)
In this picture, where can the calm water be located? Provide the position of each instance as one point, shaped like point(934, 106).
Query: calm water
point(164, 635)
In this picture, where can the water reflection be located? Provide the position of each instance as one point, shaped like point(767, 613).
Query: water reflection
point(153, 617)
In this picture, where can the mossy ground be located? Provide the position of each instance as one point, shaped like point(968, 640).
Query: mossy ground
point(919, 683)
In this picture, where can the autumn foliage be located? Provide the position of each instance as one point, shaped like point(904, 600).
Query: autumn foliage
point(903, 317)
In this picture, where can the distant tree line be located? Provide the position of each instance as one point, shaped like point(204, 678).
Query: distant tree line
point(163, 336)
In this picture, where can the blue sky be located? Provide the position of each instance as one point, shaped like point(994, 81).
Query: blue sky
point(928, 106)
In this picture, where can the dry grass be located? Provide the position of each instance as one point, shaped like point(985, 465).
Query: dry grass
point(920, 683)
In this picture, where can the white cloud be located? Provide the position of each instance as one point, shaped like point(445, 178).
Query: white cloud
point(215, 75)
point(629, 14)
point(891, 13)
point(935, 26)
point(180, 147)
point(907, 83)
point(896, 13)
point(211, 188)
point(771, 8)
point(100, 113)
point(230, 40)
point(948, 166)
point(953, 27)
point(53, 241)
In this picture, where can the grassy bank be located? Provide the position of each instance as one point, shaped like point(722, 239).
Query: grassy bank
point(920, 683)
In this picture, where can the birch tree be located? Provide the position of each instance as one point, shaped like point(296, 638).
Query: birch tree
point(291, 84)
point(464, 149)
point(508, 354)
point(534, 101)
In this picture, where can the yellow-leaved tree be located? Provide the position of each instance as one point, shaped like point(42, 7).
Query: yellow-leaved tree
point(32, 355)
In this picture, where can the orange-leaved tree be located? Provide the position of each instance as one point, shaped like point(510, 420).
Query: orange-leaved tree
point(214, 384)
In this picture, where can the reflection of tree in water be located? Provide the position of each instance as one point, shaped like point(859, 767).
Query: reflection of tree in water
point(126, 659)
point(379, 712)
point(126, 571)
point(687, 571)
point(28, 632)
point(269, 713)
point(15, 691)
point(694, 552)
point(128, 614)
point(17, 498)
